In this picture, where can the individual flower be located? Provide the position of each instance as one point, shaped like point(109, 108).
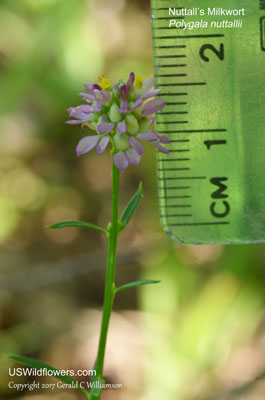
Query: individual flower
point(122, 114)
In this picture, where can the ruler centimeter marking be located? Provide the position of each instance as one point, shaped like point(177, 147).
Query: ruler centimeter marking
point(181, 177)
point(196, 131)
point(189, 36)
point(168, 18)
point(175, 215)
point(201, 223)
point(171, 47)
point(171, 112)
point(182, 84)
point(179, 187)
point(176, 56)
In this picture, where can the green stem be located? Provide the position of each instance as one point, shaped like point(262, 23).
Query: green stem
point(109, 282)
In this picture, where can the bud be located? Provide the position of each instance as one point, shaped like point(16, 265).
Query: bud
point(138, 112)
point(94, 117)
point(144, 125)
point(114, 114)
point(103, 118)
point(121, 142)
point(132, 124)
point(115, 92)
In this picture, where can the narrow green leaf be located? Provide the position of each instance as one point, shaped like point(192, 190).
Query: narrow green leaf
point(131, 207)
point(79, 224)
point(136, 283)
point(30, 362)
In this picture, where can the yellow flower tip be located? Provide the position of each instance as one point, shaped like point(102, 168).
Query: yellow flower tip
point(138, 83)
point(104, 83)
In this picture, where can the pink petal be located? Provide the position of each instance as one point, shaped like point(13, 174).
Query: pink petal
point(121, 127)
point(115, 89)
point(125, 111)
point(74, 122)
point(137, 146)
point(131, 78)
point(105, 128)
point(120, 160)
point(164, 139)
point(137, 104)
point(160, 148)
point(148, 136)
point(152, 106)
point(147, 85)
point(103, 144)
point(152, 93)
point(130, 82)
point(103, 96)
point(87, 97)
point(133, 157)
point(86, 144)
point(151, 120)
point(88, 87)
point(83, 116)
point(73, 111)
point(124, 97)
point(85, 108)
point(97, 107)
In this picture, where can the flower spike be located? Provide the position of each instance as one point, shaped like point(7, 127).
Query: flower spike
point(122, 114)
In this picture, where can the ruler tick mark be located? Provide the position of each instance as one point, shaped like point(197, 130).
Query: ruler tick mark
point(174, 197)
point(179, 140)
point(171, 122)
point(178, 187)
point(173, 94)
point(196, 131)
point(200, 223)
point(176, 205)
point(166, 27)
point(166, 18)
point(175, 215)
point(180, 151)
point(171, 66)
point(170, 75)
point(171, 47)
point(182, 84)
point(175, 104)
point(181, 177)
point(173, 159)
point(175, 56)
point(171, 112)
point(190, 36)
point(166, 8)
point(173, 169)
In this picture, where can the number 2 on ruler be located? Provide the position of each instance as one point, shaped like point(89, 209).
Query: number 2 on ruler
point(220, 53)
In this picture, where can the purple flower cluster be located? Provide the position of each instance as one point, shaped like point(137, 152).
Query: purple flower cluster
point(123, 115)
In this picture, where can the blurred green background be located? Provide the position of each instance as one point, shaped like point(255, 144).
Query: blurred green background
point(197, 335)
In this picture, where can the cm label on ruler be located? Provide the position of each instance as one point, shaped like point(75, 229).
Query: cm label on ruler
point(213, 82)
